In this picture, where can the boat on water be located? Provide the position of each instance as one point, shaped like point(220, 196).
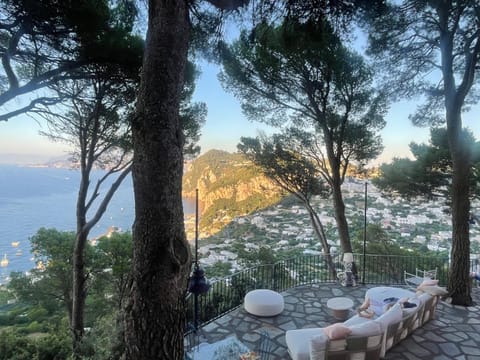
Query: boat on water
point(15, 243)
point(4, 261)
point(19, 253)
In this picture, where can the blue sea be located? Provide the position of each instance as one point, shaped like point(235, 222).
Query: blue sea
point(31, 198)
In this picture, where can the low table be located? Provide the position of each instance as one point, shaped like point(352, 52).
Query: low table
point(340, 307)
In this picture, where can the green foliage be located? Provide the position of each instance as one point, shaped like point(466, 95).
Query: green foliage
point(49, 41)
point(44, 293)
point(113, 258)
point(281, 159)
point(301, 71)
point(219, 269)
point(192, 114)
point(430, 173)
point(106, 337)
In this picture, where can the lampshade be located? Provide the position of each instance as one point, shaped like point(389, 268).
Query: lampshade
point(198, 283)
point(348, 257)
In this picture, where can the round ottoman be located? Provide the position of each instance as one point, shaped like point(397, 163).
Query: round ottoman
point(263, 302)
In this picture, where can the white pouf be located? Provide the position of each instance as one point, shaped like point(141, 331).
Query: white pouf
point(263, 302)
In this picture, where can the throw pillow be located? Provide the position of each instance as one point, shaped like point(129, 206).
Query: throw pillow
point(427, 282)
point(337, 331)
point(434, 290)
point(390, 317)
point(318, 344)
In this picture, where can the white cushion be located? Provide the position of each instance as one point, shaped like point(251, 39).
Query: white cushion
point(298, 342)
point(356, 320)
point(369, 328)
point(391, 316)
point(423, 297)
point(318, 344)
point(407, 311)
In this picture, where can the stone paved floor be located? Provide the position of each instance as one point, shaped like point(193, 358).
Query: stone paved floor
point(453, 334)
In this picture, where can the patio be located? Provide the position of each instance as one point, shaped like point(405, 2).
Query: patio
point(453, 334)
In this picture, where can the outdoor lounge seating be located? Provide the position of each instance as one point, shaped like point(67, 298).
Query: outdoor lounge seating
point(365, 338)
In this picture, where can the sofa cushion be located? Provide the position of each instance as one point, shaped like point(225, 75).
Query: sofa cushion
point(390, 317)
point(318, 344)
point(434, 290)
point(407, 311)
point(337, 331)
point(298, 342)
point(428, 282)
point(369, 328)
point(356, 320)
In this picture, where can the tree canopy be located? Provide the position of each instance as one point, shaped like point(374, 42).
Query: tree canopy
point(300, 74)
point(46, 41)
point(432, 49)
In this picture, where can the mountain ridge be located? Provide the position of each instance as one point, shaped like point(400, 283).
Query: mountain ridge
point(229, 185)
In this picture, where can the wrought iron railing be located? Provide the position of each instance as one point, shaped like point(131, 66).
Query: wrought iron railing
point(227, 294)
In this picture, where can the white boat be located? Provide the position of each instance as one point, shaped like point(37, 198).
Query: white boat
point(4, 261)
point(15, 243)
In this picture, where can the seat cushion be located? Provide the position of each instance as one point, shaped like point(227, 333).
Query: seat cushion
point(298, 342)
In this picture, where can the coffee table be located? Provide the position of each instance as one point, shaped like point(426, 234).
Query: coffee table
point(340, 307)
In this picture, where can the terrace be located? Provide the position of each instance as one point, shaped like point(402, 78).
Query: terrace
point(453, 334)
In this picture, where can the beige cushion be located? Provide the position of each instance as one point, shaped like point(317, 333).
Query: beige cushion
point(318, 344)
point(434, 290)
point(428, 282)
point(337, 331)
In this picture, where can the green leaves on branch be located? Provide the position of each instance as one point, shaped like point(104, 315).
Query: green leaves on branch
point(430, 173)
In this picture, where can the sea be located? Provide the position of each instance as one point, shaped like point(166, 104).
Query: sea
point(35, 197)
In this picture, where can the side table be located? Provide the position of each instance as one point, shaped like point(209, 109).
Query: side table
point(340, 307)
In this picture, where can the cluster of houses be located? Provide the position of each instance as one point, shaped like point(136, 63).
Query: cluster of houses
point(287, 227)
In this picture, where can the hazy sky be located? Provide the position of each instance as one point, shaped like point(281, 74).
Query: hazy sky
point(21, 143)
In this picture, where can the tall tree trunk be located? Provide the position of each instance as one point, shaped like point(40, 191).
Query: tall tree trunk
point(155, 314)
point(339, 208)
point(78, 293)
point(78, 281)
point(318, 228)
point(459, 284)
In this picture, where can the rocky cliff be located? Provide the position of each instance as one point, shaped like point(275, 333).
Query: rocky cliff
point(228, 186)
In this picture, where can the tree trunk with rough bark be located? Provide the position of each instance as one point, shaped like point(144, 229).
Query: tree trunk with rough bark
point(342, 225)
point(319, 230)
point(459, 284)
point(79, 293)
point(155, 313)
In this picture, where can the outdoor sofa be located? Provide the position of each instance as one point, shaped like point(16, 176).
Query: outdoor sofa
point(361, 338)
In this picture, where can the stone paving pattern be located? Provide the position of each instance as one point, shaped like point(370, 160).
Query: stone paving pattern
point(453, 334)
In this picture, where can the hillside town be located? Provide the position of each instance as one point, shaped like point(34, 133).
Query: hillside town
point(283, 227)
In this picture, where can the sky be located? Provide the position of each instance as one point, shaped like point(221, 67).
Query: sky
point(21, 143)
